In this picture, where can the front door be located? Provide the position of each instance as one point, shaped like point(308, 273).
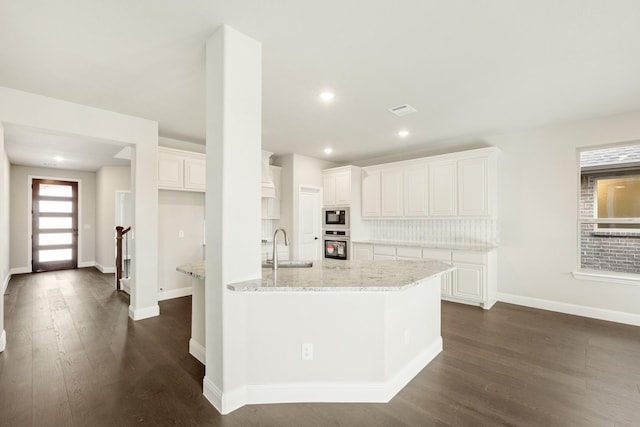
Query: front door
point(55, 225)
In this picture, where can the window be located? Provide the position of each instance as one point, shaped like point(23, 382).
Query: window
point(609, 223)
point(618, 198)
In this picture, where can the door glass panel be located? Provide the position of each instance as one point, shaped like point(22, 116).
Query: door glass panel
point(46, 239)
point(54, 223)
point(48, 206)
point(56, 190)
point(55, 255)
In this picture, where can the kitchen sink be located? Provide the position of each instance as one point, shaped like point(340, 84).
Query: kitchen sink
point(288, 264)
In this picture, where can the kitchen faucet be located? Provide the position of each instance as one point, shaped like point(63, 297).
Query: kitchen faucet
point(275, 246)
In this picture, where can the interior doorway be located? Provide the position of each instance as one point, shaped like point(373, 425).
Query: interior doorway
point(54, 238)
point(309, 225)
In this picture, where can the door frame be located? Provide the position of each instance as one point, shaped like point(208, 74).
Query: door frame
point(30, 179)
point(298, 234)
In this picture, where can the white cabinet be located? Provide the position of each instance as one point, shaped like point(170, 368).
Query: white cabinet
point(474, 281)
point(391, 192)
point(443, 188)
point(370, 193)
point(271, 206)
point(181, 170)
point(362, 252)
point(416, 191)
point(473, 187)
point(336, 185)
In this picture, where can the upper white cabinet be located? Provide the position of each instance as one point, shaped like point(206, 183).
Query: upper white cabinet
point(271, 205)
point(336, 185)
point(391, 192)
point(370, 192)
point(416, 201)
point(443, 189)
point(181, 170)
point(451, 185)
point(473, 186)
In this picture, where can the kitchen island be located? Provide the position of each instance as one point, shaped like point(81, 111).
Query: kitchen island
point(340, 331)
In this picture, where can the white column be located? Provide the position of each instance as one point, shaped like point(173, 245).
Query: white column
point(144, 254)
point(4, 233)
point(233, 98)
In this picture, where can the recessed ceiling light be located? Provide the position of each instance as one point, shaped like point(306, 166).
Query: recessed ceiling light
point(58, 158)
point(328, 150)
point(327, 96)
point(403, 133)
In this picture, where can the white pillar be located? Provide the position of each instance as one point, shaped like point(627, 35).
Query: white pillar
point(144, 254)
point(4, 233)
point(234, 109)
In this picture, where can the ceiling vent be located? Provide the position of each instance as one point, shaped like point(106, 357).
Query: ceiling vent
point(403, 110)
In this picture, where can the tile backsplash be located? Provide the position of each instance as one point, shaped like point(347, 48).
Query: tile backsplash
point(459, 231)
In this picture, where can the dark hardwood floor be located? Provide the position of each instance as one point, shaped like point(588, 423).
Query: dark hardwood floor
point(74, 358)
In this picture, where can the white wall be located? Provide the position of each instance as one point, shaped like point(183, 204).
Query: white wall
point(21, 216)
point(178, 211)
point(297, 170)
point(109, 179)
point(539, 213)
point(181, 145)
point(53, 115)
point(4, 232)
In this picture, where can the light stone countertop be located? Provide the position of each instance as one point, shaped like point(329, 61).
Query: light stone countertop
point(430, 245)
point(334, 275)
point(193, 269)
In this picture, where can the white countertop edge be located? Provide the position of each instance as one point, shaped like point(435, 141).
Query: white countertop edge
point(256, 286)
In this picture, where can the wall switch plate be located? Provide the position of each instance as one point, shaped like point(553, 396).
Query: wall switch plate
point(307, 351)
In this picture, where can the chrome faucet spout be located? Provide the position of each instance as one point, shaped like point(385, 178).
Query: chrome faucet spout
point(275, 246)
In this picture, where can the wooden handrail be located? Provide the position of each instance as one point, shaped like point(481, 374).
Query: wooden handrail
point(120, 232)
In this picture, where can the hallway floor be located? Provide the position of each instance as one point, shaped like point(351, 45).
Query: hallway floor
point(74, 358)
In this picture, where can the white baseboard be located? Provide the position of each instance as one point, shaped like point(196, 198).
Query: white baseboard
point(174, 293)
point(577, 310)
point(197, 350)
point(3, 340)
point(370, 392)
point(125, 284)
point(144, 313)
point(86, 264)
point(106, 270)
point(20, 270)
point(5, 284)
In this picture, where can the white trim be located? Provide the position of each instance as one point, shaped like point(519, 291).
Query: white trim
point(106, 270)
point(370, 392)
point(20, 270)
point(577, 310)
point(144, 313)
point(3, 340)
point(608, 276)
point(175, 293)
point(197, 350)
point(213, 394)
point(85, 264)
point(125, 284)
point(5, 284)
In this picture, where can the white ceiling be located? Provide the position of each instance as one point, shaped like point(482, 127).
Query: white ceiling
point(471, 67)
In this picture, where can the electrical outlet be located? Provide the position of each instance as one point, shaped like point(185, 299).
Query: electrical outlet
point(181, 233)
point(307, 351)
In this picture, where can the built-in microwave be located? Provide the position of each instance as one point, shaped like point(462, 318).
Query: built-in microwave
point(335, 218)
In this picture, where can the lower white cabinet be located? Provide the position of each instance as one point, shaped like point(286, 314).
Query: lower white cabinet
point(474, 281)
point(362, 252)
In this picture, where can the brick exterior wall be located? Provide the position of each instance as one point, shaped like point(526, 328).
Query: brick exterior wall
point(605, 250)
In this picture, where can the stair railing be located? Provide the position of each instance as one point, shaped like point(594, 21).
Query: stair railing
point(120, 233)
